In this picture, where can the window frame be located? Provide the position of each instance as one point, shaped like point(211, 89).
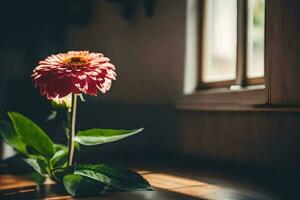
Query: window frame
point(241, 51)
point(280, 92)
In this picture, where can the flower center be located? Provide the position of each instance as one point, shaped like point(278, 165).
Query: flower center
point(75, 62)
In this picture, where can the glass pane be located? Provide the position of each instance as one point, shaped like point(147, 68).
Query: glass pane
point(220, 40)
point(256, 43)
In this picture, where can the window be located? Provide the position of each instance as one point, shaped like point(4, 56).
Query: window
point(233, 43)
point(256, 32)
point(267, 57)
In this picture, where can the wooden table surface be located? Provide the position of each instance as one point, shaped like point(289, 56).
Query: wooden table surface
point(169, 185)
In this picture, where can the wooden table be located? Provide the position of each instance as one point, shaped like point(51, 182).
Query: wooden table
point(168, 184)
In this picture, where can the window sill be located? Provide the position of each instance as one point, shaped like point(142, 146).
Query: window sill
point(253, 98)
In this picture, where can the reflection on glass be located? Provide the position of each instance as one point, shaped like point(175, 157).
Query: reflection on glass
point(220, 40)
point(256, 42)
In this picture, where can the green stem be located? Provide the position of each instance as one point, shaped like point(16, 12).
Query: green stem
point(72, 130)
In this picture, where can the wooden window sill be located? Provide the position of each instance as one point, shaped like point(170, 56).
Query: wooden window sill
point(253, 98)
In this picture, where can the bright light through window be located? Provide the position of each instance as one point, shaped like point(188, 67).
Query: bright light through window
point(256, 27)
point(220, 40)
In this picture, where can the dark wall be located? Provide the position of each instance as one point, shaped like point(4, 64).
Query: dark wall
point(143, 38)
point(30, 31)
point(266, 139)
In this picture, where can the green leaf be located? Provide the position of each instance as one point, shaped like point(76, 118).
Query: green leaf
point(38, 165)
point(32, 135)
point(59, 173)
point(37, 178)
point(118, 178)
point(81, 97)
point(101, 136)
point(94, 175)
point(77, 146)
point(81, 186)
point(16, 165)
point(58, 147)
point(11, 137)
point(52, 116)
point(59, 159)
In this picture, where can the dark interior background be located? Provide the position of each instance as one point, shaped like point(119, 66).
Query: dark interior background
point(145, 39)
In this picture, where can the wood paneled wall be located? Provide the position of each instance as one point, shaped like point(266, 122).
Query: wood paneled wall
point(267, 139)
point(283, 51)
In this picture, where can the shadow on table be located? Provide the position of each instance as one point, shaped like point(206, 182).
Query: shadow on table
point(33, 192)
point(54, 192)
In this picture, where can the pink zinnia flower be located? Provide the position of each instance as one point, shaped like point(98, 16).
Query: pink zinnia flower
point(73, 72)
